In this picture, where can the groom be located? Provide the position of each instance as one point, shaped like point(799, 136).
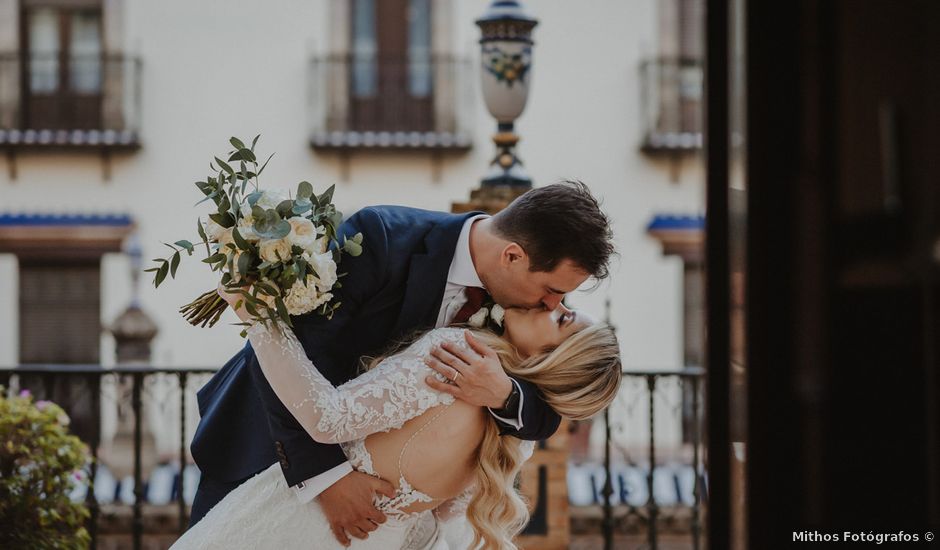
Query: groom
point(418, 270)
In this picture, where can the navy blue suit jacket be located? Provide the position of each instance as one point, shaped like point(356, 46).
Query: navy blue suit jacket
point(392, 289)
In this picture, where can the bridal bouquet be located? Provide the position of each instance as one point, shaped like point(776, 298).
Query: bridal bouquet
point(271, 249)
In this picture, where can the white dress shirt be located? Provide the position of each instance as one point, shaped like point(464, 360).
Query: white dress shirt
point(461, 274)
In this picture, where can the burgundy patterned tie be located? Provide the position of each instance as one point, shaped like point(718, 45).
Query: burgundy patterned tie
point(475, 297)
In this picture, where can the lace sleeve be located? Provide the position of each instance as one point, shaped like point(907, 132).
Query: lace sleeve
point(379, 400)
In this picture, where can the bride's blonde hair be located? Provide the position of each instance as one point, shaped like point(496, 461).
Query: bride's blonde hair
point(578, 379)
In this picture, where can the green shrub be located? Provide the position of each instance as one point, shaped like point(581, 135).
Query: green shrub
point(40, 463)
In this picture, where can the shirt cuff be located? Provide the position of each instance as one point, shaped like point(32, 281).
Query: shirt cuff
point(311, 488)
point(514, 422)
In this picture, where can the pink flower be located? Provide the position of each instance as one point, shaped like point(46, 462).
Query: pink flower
point(26, 393)
point(42, 404)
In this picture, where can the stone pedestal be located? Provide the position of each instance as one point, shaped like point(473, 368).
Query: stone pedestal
point(489, 199)
point(133, 331)
point(544, 483)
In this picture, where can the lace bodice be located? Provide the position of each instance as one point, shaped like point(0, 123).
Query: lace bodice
point(379, 400)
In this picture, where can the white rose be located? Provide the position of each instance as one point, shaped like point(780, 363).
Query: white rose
point(246, 230)
point(477, 319)
point(304, 298)
point(270, 248)
point(498, 314)
point(270, 199)
point(213, 231)
point(302, 233)
point(225, 237)
point(325, 267)
point(321, 246)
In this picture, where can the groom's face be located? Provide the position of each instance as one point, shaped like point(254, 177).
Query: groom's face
point(515, 286)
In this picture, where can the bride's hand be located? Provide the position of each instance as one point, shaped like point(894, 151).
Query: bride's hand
point(233, 298)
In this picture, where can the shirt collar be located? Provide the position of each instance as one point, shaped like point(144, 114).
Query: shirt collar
point(462, 271)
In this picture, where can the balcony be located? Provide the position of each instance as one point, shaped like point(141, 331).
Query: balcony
point(138, 422)
point(73, 103)
point(390, 103)
point(672, 105)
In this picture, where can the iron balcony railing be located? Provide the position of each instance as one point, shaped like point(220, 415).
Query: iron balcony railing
point(69, 101)
point(671, 99)
point(78, 389)
point(391, 103)
point(662, 389)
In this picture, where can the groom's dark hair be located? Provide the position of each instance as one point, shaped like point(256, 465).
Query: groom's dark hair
point(557, 222)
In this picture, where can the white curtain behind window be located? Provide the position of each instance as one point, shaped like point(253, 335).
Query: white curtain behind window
point(364, 49)
point(43, 50)
point(85, 47)
point(419, 48)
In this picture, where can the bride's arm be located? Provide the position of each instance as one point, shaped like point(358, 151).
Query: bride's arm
point(379, 400)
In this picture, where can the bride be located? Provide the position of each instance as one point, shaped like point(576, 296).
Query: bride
point(449, 466)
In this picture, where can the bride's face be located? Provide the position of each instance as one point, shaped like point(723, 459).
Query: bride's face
point(535, 330)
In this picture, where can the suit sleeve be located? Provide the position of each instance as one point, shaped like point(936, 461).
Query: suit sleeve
point(301, 457)
point(539, 420)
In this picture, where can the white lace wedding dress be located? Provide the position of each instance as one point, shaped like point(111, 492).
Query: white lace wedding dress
point(264, 512)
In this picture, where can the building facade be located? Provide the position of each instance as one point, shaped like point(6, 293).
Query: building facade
point(111, 109)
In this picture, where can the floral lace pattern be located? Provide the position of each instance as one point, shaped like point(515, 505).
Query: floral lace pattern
point(379, 400)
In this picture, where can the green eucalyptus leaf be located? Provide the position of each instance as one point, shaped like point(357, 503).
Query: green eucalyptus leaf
point(265, 164)
point(161, 274)
point(225, 166)
point(285, 208)
point(226, 220)
point(301, 206)
point(244, 264)
point(282, 309)
point(174, 263)
point(252, 198)
point(240, 241)
point(201, 230)
point(236, 143)
point(215, 258)
point(254, 141)
point(327, 196)
point(250, 306)
point(304, 190)
point(185, 244)
point(281, 230)
point(247, 155)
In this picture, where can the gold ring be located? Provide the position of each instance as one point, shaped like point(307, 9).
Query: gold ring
point(455, 377)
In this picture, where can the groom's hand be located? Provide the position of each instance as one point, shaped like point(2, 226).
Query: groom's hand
point(476, 376)
point(348, 506)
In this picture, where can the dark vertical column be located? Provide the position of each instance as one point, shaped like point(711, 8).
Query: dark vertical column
point(776, 450)
point(180, 501)
point(717, 273)
point(138, 525)
point(91, 499)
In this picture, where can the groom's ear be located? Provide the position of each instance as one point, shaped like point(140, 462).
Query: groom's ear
point(513, 253)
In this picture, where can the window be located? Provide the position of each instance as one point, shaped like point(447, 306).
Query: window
point(62, 62)
point(391, 88)
point(673, 81)
point(389, 79)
